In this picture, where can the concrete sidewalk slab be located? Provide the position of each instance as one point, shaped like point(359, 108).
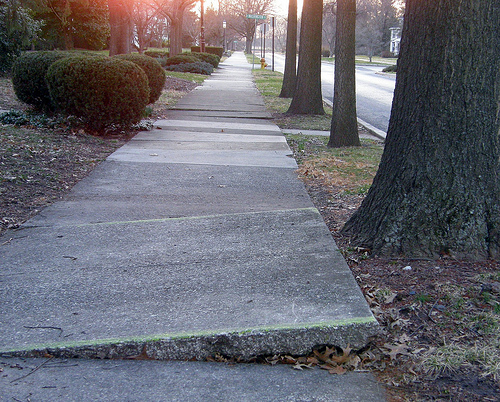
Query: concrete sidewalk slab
point(174, 279)
point(228, 91)
point(274, 158)
point(117, 192)
point(258, 127)
point(91, 380)
point(220, 135)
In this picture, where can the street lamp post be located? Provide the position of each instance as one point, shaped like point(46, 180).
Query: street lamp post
point(224, 26)
point(202, 29)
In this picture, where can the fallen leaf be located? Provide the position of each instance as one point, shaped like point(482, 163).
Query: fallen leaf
point(395, 350)
point(301, 366)
point(288, 360)
point(390, 298)
point(355, 361)
point(324, 356)
point(312, 360)
point(339, 370)
point(344, 358)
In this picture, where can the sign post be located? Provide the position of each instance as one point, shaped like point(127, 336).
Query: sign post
point(273, 18)
point(255, 17)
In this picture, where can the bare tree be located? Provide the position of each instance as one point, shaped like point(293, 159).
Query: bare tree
point(145, 17)
point(307, 98)
point(290, 73)
point(174, 10)
point(329, 23)
point(374, 18)
point(437, 190)
point(344, 128)
point(238, 10)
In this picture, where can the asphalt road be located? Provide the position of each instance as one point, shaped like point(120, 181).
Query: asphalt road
point(374, 91)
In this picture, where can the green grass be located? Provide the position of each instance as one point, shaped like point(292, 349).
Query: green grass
point(350, 169)
point(252, 58)
point(269, 84)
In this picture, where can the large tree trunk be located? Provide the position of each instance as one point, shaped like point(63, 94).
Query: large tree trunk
point(176, 32)
point(307, 98)
point(290, 74)
point(437, 188)
point(344, 128)
point(120, 22)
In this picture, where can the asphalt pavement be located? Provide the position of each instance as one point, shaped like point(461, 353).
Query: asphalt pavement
point(193, 239)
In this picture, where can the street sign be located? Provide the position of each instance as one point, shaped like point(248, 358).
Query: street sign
point(256, 17)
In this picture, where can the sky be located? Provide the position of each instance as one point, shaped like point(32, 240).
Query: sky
point(281, 6)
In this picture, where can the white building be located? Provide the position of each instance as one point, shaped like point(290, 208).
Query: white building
point(395, 40)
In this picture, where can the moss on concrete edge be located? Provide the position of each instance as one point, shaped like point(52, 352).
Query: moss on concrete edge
point(246, 342)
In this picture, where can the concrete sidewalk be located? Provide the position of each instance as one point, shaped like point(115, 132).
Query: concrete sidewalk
point(193, 239)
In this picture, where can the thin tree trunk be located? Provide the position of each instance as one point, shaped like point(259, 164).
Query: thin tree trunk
point(290, 74)
point(248, 45)
point(344, 127)
point(437, 188)
point(307, 98)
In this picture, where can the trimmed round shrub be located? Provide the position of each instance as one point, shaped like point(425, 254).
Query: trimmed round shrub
point(28, 77)
point(213, 59)
point(103, 92)
point(157, 54)
point(181, 59)
point(154, 71)
point(391, 69)
point(199, 67)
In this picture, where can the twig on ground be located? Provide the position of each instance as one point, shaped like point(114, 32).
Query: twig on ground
point(35, 369)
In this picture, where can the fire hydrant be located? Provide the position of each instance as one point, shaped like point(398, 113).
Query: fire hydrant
point(263, 63)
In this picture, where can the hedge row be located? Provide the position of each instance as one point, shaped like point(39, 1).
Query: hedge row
point(209, 49)
point(198, 67)
point(102, 91)
point(207, 58)
point(157, 54)
point(201, 63)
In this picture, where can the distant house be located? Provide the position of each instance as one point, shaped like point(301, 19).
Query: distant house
point(395, 40)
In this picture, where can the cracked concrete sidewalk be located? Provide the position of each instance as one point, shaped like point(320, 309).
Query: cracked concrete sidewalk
point(193, 239)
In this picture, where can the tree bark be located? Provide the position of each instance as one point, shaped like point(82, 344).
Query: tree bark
point(290, 73)
point(344, 127)
point(120, 22)
point(307, 98)
point(176, 21)
point(437, 188)
point(248, 45)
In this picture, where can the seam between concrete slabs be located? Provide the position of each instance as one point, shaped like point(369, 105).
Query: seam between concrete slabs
point(181, 218)
point(188, 335)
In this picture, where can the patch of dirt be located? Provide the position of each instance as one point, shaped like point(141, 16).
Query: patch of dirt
point(39, 165)
point(8, 98)
point(178, 84)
